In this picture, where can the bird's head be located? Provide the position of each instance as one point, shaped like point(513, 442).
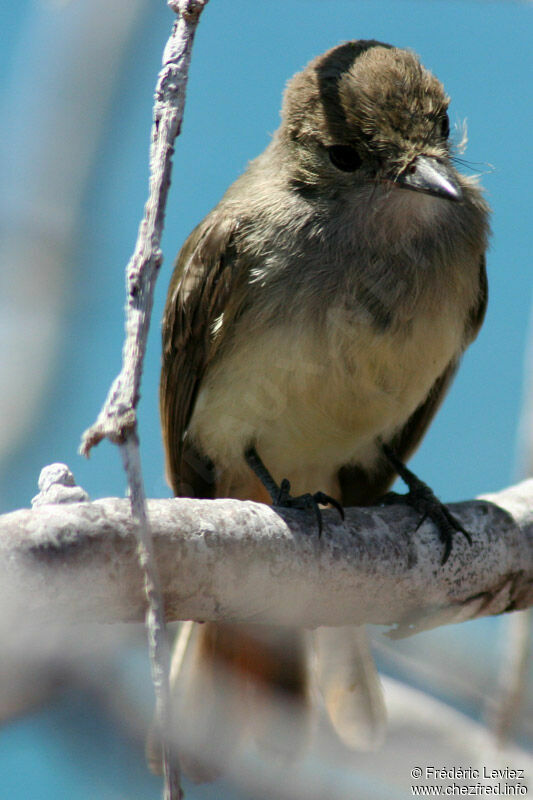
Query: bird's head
point(368, 112)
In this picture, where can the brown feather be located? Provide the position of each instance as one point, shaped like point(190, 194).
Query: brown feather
point(202, 284)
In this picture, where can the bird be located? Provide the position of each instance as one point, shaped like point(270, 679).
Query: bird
point(314, 321)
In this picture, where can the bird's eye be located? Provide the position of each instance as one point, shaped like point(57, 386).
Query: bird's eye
point(445, 126)
point(344, 157)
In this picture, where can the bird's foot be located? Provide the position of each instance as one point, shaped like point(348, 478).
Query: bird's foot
point(281, 495)
point(305, 502)
point(423, 499)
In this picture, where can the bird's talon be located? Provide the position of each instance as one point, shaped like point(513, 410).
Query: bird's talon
point(447, 550)
point(338, 506)
point(306, 502)
point(422, 498)
point(284, 493)
point(281, 495)
point(318, 513)
point(325, 500)
point(421, 521)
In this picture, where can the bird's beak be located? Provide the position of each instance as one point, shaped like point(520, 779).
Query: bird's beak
point(429, 175)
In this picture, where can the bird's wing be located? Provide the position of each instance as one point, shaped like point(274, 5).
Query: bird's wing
point(200, 305)
point(362, 487)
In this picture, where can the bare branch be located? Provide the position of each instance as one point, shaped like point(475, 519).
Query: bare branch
point(117, 420)
point(233, 560)
point(118, 415)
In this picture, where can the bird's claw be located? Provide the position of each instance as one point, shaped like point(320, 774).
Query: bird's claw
point(447, 524)
point(423, 499)
point(281, 495)
point(307, 501)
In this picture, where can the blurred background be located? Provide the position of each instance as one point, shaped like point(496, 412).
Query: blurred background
point(76, 100)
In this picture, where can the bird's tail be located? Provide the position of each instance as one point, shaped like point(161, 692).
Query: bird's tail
point(349, 684)
point(232, 685)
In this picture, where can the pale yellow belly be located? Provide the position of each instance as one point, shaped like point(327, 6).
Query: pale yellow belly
point(311, 403)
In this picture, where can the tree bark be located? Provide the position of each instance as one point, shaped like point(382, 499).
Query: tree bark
point(243, 561)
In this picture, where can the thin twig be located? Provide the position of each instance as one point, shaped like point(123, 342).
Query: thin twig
point(118, 415)
point(155, 614)
point(117, 420)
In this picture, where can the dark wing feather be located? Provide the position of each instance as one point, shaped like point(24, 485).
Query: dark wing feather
point(360, 487)
point(199, 293)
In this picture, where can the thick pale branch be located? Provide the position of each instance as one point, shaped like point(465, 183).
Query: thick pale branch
point(233, 560)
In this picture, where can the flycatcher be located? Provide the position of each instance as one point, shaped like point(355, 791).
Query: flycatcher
point(317, 316)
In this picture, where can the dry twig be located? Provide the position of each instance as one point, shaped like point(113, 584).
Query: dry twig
point(117, 420)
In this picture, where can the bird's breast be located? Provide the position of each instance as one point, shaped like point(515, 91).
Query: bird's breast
point(319, 394)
